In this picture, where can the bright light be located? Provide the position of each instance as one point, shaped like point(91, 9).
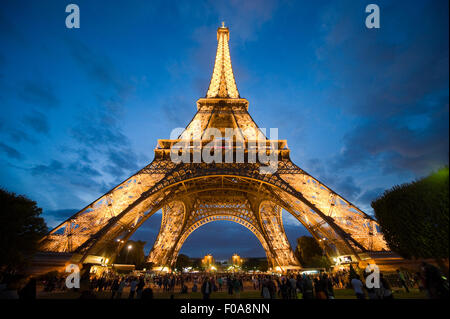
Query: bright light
point(107, 260)
point(129, 246)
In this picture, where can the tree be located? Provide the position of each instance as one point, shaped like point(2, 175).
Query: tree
point(183, 261)
point(134, 255)
point(310, 254)
point(197, 264)
point(414, 217)
point(255, 264)
point(20, 229)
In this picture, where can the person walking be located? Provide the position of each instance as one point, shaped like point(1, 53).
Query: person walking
point(114, 287)
point(385, 288)
point(28, 292)
point(133, 285)
point(236, 287)
point(206, 288)
point(272, 288)
point(402, 280)
point(327, 286)
point(265, 292)
point(308, 292)
point(284, 288)
point(435, 282)
point(140, 287)
point(147, 293)
point(358, 287)
point(293, 287)
point(230, 286)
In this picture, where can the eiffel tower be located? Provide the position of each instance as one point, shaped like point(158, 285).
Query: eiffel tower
point(196, 192)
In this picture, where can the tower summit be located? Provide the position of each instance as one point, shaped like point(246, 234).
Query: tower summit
point(222, 83)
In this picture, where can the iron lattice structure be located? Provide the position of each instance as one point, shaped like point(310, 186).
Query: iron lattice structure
point(192, 194)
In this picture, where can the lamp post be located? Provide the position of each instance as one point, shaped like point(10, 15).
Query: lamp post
point(128, 251)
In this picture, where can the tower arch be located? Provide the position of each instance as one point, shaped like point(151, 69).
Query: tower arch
point(186, 190)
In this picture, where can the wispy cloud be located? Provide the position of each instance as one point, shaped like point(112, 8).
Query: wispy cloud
point(401, 93)
point(37, 121)
point(10, 151)
point(38, 93)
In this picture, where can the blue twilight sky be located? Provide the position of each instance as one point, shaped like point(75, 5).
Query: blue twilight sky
point(81, 109)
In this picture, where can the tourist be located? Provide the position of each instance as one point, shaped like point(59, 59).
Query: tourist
point(358, 287)
point(284, 288)
point(114, 287)
point(327, 286)
point(385, 288)
point(272, 288)
point(237, 287)
point(133, 285)
point(307, 288)
point(28, 292)
point(402, 280)
point(140, 287)
point(319, 289)
point(435, 283)
point(420, 281)
point(299, 285)
point(293, 287)
point(230, 286)
point(147, 293)
point(206, 288)
point(265, 292)
point(120, 289)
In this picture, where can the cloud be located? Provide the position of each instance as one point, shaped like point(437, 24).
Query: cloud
point(10, 151)
point(71, 175)
point(397, 147)
point(55, 217)
point(370, 195)
point(344, 185)
point(395, 80)
point(38, 93)
point(177, 110)
point(16, 134)
point(37, 121)
point(245, 17)
point(98, 67)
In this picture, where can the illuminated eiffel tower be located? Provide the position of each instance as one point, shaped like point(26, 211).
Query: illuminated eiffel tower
point(244, 190)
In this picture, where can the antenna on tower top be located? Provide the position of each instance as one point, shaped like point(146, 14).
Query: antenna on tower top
point(223, 24)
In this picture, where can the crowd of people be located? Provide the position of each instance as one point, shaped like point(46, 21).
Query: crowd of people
point(291, 286)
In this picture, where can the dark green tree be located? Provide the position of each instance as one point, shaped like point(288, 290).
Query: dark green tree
point(255, 264)
point(197, 264)
point(310, 254)
point(132, 253)
point(414, 217)
point(20, 229)
point(183, 261)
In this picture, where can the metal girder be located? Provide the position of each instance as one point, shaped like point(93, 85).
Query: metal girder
point(232, 190)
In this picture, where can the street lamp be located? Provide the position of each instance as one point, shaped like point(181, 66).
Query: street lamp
point(128, 250)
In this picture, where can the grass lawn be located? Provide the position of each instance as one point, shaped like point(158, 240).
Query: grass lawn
point(247, 294)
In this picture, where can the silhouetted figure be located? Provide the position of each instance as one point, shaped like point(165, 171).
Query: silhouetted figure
point(28, 292)
point(206, 288)
point(147, 293)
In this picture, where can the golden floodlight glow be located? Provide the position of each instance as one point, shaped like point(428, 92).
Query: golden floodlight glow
point(193, 194)
point(222, 82)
